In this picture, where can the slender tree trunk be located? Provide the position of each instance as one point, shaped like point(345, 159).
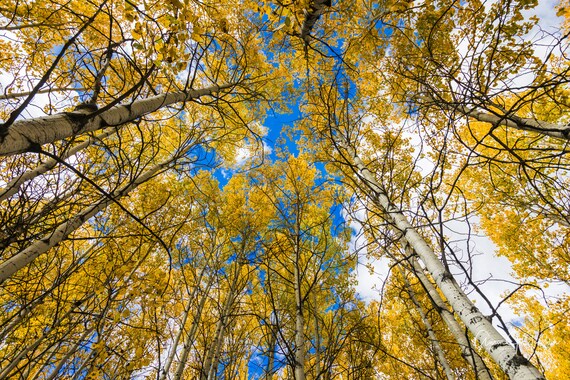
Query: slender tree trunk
point(16, 95)
point(312, 15)
point(18, 317)
point(525, 124)
point(35, 344)
point(33, 217)
point(14, 185)
point(299, 335)
point(191, 334)
point(317, 338)
point(467, 350)
point(511, 362)
point(213, 354)
point(431, 334)
point(30, 134)
point(299, 319)
point(62, 361)
point(170, 359)
point(271, 349)
point(172, 354)
point(26, 256)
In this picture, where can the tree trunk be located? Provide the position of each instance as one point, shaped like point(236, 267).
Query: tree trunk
point(272, 348)
point(557, 131)
point(191, 333)
point(312, 15)
point(26, 256)
point(299, 320)
point(71, 351)
point(16, 95)
point(317, 338)
point(213, 354)
point(170, 359)
point(35, 344)
point(467, 350)
point(511, 362)
point(29, 135)
point(431, 334)
point(14, 185)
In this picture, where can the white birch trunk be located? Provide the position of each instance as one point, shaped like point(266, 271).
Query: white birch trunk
point(525, 124)
point(522, 123)
point(467, 350)
point(299, 320)
point(16, 319)
point(300, 344)
point(513, 364)
point(213, 354)
point(32, 346)
point(15, 95)
point(26, 256)
point(431, 334)
point(314, 12)
point(65, 358)
point(272, 348)
point(317, 337)
point(172, 354)
point(190, 336)
point(14, 185)
point(170, 358)
point(27, 135)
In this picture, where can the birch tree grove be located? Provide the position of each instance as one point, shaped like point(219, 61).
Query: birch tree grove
point(306, 189)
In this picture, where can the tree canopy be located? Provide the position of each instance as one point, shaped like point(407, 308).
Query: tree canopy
point(193, 189)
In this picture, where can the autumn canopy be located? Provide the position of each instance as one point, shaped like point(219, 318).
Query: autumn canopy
point(298, 189)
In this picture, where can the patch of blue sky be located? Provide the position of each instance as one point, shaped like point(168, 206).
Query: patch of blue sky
point(257, 364)
point(259, 361)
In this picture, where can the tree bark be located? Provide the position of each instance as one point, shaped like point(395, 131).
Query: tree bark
point(12, 322)
point(272, 348)
point(467, 350)
point(315, 11)
point(170, 359)
point(29, 135)
point(213, 354)
point(35, 344)
point(26, 256)
point(317, 338)
point(431, 334)
point(16, 95)
point(511, 362)
point(557, 131)
point(14, 185)
point(71, 351)
point(190, 336)
point(299, 319)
